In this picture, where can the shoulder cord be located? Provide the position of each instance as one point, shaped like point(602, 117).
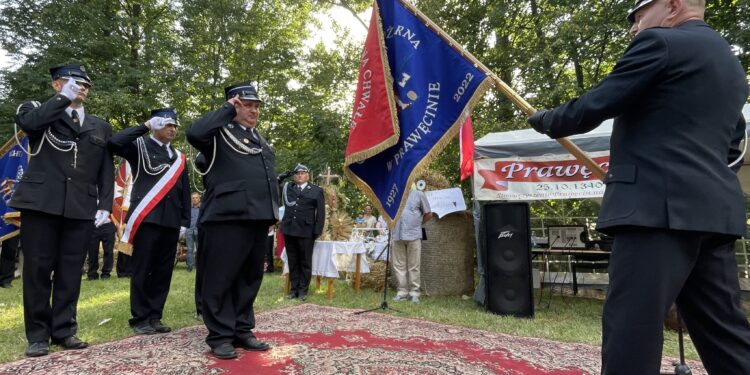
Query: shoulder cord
point(742, 155)
point(286, 196)
point(233, 143)
point(56, 143)
point(146, 162)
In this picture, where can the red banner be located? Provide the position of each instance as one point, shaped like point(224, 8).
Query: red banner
point(374, 126)
point(466, 137)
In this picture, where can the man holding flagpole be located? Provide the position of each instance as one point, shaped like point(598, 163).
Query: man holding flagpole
point(673, 201)
point(159, 210)
point(70, 168)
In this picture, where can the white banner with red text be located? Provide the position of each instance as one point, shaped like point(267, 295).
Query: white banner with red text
point(551, 176)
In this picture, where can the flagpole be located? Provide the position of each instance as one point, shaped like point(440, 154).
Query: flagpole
point(506, 90)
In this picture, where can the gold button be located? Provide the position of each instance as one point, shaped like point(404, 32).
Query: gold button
point(245, 140)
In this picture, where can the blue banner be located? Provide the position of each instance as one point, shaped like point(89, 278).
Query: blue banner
point(434, 87)
point(13, 163)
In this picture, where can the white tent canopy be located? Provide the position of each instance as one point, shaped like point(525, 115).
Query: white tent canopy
point(541, 163)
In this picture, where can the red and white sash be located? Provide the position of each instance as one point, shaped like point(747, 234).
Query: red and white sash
point(154, 196)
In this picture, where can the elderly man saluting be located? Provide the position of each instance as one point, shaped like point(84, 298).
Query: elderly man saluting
point(240, 203)
point(159, 209)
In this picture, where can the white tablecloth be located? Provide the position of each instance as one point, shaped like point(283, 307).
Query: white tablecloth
point(325, 254)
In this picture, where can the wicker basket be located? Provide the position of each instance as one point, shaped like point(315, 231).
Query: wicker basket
point(447, 266)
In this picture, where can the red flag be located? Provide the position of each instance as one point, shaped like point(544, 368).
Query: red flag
point(466, 136)
point(374, 125)
point(123, 185)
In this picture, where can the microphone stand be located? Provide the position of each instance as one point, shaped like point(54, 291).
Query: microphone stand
point(384, 303)
point(680, 368)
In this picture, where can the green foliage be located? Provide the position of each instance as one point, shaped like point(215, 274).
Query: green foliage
point(147, 53)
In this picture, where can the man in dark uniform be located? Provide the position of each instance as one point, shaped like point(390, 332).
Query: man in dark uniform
point(240, 202)
point(69, 170)
point(304, 217)
point(160, 202)
point(8, 254)
point(104, 234)
point(673, 201)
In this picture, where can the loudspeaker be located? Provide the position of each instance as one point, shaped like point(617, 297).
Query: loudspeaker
point(507, 254)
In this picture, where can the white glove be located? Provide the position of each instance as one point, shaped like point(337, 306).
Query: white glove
point(182, 232)
point(101, 218)
point(158, 123)
point(70, 89)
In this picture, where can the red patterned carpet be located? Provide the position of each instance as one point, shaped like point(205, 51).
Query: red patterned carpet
point(311, 339)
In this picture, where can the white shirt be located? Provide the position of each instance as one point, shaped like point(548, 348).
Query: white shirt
point(81, 114)
point(169, 149)
point(302, 187)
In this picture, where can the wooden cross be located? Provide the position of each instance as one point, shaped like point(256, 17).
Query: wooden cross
point(327, 176)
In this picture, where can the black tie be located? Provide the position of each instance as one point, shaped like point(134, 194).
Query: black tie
point(74, 116)
point(255, 134)
point(298, 188)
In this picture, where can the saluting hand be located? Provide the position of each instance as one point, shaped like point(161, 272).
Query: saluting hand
point(157, 123)
point(235, 101)
point(70, 90)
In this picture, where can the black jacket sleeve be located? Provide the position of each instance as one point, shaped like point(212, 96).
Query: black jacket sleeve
point(201, 133)
point(106, 179)
point(35, 117)
point(123, 143)
point(320, 214)
point(185, 219)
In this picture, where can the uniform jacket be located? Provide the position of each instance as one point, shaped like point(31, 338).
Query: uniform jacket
point(174, 209)
point(238, 186)
point(676, 96)
point(304, 212)
point(51, 184)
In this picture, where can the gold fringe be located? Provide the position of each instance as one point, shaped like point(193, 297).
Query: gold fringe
point(10, 235)
point(426, 160)
point(393, 139)
point(11, 142)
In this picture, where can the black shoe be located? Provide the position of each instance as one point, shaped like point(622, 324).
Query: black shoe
point(224, 351)
point(6, 285)
point(190, 269)
point(251, 344)
point(303, 297)
point(37, 349)
point(71, 343)
point(93, 277)
point(143, 328)
point(105, 276)
point(158, 327)
point(291, 295)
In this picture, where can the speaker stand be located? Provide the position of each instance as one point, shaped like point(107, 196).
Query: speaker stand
point(384, 303)
point(680, 368)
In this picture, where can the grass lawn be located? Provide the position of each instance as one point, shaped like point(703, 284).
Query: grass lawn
point(104, 309)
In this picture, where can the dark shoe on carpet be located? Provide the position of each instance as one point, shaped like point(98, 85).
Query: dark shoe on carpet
point(143, 328)
point(105, 276)
point(224, 351)
point(71, 343)
point(251, 344)
point(37, 349)
point(160, 328)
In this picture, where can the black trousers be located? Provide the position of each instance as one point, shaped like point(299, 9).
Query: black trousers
point(198, 272)
point(299, 252)
point(649, 269)
point(105, 235)
point(8, 255)
point(154, 251)
point(124, 266)
point(51, 243)
point(269, 253)
point(232, 262)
